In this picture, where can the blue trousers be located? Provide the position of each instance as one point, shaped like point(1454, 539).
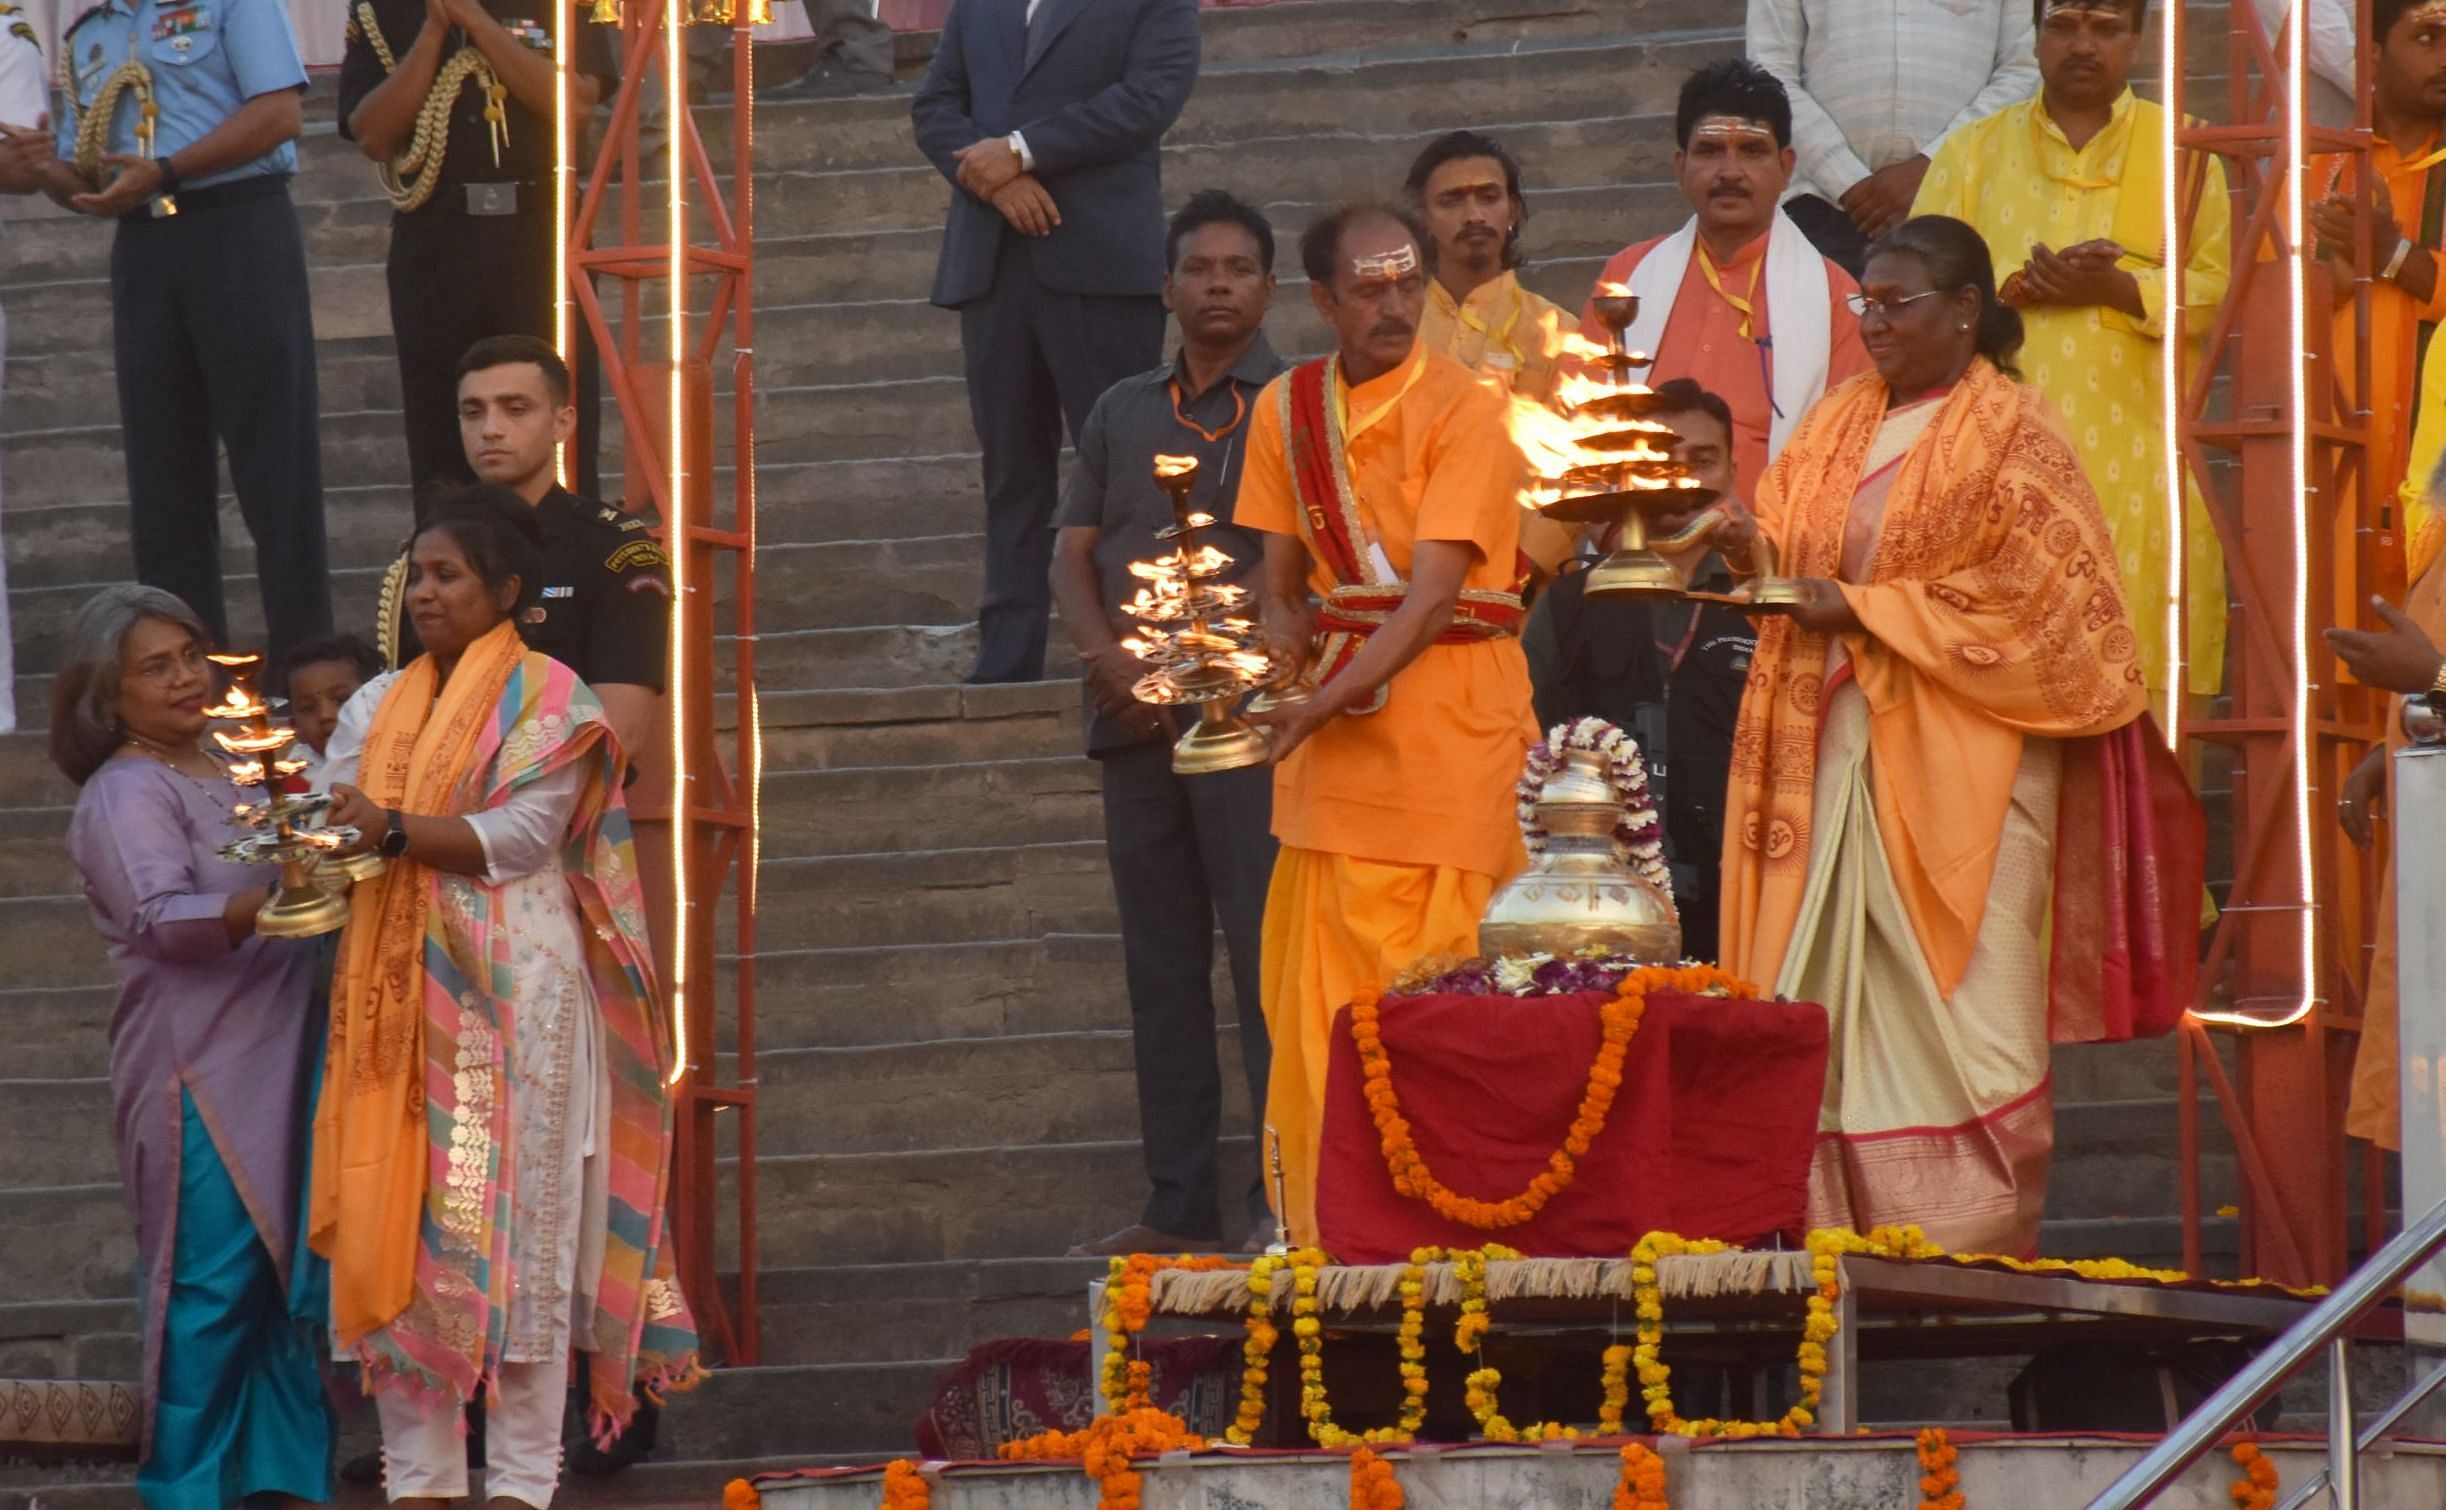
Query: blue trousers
point(239, 1410)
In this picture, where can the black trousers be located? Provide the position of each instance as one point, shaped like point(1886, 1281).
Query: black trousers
point(1829, 230)
point(1036, 358)
point(455, 279)
point(1187, 853)
point(212, 331)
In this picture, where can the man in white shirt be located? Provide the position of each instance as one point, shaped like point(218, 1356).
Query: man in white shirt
point(25, 147)
point(1875, 86)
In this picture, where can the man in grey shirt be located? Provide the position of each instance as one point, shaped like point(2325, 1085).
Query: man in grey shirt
point(1875, 85)
point(1186, 852)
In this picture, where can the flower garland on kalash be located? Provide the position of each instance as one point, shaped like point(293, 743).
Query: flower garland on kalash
point(1619, 1018)
point(904, 1488)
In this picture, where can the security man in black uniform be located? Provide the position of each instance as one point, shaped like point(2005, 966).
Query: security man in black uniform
point(604, 607)
point(452, 99)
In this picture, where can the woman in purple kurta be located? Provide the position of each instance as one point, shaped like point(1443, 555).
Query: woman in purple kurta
point(209, 1049)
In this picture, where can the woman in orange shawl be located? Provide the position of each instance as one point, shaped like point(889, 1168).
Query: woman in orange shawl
point(492, 1147)
point(1904, 789)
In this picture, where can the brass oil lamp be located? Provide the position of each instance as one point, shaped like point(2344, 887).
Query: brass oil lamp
point(1195, 633)
point(1611, 462)
point(288, 828)
point(1577, 896)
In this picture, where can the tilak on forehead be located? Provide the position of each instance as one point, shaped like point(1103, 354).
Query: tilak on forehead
point(1735, 128)
point(1403, 259)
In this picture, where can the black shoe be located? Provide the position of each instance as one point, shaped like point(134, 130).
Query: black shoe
point(832, 81)
point(580, 1455)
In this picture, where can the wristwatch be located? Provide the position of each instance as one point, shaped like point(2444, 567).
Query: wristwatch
point(169, 177)
point(394, 839)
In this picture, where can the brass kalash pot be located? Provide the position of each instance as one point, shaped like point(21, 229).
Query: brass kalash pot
point(1577, 896)
point(1626, 471)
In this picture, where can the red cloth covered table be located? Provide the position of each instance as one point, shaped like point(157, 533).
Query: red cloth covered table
point(1710, 1135)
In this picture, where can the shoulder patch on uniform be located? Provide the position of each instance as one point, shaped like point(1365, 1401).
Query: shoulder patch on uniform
point(647, 582)
point(637, 553)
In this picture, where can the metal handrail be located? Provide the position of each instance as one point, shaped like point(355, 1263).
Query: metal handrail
point(2323, 1329)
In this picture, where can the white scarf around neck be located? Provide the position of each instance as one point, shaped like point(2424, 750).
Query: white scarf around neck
point(1800, 343)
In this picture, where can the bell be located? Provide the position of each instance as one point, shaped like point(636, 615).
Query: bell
point(1219, 741)
point(1575, 897)
point(299, 909)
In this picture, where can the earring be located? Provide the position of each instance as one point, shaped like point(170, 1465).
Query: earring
point(1965, 325)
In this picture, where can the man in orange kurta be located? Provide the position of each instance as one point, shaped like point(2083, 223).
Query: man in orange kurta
point(1387, 486)
point(1737, 299)
point(2406, 277)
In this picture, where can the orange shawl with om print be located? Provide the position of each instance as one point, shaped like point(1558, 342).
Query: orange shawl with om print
point(1992, 611)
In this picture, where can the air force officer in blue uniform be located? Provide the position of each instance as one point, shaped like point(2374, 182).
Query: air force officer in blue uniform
point(1048, 118)
point(212, 329)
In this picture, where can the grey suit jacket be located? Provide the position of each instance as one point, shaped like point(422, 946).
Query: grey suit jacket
point(1093, 86)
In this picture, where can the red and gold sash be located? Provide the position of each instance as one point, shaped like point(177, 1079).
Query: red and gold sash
point(1363, 596)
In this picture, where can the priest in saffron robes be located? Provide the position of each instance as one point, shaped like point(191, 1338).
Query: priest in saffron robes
point(1387, 486)
point(1953, 718)
point(2069, 189)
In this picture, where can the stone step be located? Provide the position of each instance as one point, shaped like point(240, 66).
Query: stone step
point(955, 1203)
point(67, 1242)
point(1014, 1091)
point(49, 942)
point(980, 987)
point(934, 897)
point(814, 728)
point(59, 1032)
point(60, 1133)
point(69, 1339)
point(893, 1313)
point(875, 808)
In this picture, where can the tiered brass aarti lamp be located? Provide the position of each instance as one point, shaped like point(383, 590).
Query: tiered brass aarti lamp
point(288, 828)
point(1203, 648)
point(1629, 472)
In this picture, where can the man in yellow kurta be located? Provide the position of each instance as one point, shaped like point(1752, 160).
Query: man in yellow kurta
point(1467, 191)
point(1387, 486)
point(2069, 189)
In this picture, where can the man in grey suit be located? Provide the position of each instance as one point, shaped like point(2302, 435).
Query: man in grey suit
point(1048, 118)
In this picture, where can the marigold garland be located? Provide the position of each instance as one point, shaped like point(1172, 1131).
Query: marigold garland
point(1620, 1018)
point(739, 1494)
point(2256, 1489)
point(904, 1488)
point(1128, 1301)
point(1107, 1446)
point(1643, 1479)
point(1372, 1485)
point(1940, 1482)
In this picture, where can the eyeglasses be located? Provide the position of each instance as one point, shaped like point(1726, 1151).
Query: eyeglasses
point(1864, 306)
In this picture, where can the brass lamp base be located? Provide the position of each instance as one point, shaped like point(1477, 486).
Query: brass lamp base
point(299, 909)
point(348, 870)
point(1633, 572)
point(1219, 741)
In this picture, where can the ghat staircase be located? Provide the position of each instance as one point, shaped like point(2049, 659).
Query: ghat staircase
point(947, 1100)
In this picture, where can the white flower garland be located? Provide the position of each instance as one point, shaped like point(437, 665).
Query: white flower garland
point(1638, 835)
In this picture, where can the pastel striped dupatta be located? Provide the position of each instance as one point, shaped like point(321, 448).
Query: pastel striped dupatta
point(411, 1192)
